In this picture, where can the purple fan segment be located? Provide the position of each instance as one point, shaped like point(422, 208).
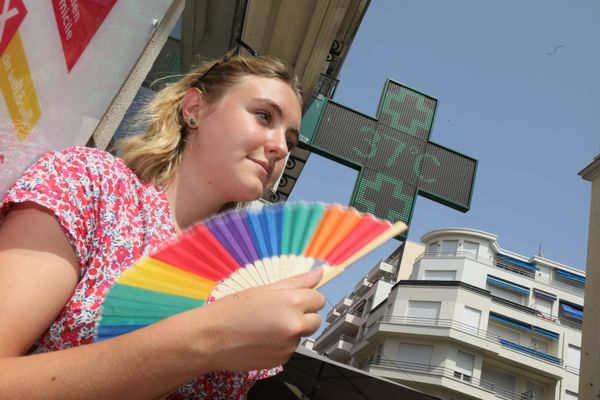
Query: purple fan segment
point(232, 232)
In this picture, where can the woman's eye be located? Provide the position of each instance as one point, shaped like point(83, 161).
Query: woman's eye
point(265, 115)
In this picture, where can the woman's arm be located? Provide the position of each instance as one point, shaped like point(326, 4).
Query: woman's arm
point(257, 328)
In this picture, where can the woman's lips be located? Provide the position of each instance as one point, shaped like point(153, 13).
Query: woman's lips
point(265, 166)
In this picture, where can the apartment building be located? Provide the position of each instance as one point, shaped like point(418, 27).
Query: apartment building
point(461, 318)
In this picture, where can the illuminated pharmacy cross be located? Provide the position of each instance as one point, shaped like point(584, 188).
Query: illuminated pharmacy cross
point(395, 159)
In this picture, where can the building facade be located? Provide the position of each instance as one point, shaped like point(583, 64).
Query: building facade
point(589, 384)
point(462, 318)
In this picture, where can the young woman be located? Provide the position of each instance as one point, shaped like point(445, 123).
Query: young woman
point(79, 217)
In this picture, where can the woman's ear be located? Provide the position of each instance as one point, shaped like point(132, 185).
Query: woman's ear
point(192, 102)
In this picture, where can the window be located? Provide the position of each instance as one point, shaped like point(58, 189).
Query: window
point(497, 381)
point(449, 247)
point(415, 356)
point(504, 333)
point(390, 305)
point(574, 279)
point(433, 247)
point(505, 294)
point(539, 345)
point(379, 353)
point(472, 318)
point(471, 248)
point(425, 312)
point(464, 366)
point(573, 357)
point(573, 312)
point(542, 305)
point(534, 391)
point(364, 363)
point(433, 275)
point(571, 395)
point(367, 308)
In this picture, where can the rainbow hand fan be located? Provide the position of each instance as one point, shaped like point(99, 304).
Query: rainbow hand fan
point(237, 250)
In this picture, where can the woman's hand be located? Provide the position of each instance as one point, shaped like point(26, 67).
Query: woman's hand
point(260, 327)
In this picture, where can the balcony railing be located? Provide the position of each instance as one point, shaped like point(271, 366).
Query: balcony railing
point(529, 351)
point(335, 345)
point(507, 267)
point(557, 320)
point(436, 370)
point(383, 267)
point(326, 86)
point(332, 315)
point(464, 328)
point(347, 338)
point(387, 277)
point(336, 322)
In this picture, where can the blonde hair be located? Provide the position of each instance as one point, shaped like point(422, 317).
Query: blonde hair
point(155, 153)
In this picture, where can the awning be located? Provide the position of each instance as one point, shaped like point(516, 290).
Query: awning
point(544, 295)
point(507, 285)
point(571, 311)
point(518, 262)
point(569, 275)
point(318, 377)
point(547, 334)
point(531, 352)
point(525, 326)
point(510, 321)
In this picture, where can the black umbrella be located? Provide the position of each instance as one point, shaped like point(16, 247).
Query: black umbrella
point(320, 378)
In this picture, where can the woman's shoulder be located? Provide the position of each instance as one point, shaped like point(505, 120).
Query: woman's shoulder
point(84, 162)
point(79, 155)
point(77, 173)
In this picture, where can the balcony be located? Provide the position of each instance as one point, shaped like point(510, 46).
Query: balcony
point(436, 375)
point(326, 86)
point(362, 287)
point(483, 340)
point(347, 324)
point(560, 319)
point(529, 351)
point(344, 304)
point(383, 269)
point(523, 273)
point(332, 315)
point(339, 350)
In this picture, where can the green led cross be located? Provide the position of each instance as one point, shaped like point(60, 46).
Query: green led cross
point(395, 159)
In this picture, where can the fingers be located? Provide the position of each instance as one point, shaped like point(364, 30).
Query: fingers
point(306, 300)
point(306, 280)
point(306, 303)
point(312, 322)
point(261, 327)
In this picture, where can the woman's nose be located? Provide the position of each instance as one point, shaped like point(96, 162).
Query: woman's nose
point(277, 144)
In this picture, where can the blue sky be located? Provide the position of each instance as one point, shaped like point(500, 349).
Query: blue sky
point(518, 89)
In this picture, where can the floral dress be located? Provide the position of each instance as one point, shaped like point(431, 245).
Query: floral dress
point(111, 219)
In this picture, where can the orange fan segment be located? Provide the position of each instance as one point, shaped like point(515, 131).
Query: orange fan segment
point(329, 222)
point(349, 221)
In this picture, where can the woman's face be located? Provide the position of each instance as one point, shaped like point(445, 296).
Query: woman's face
point(238, 149)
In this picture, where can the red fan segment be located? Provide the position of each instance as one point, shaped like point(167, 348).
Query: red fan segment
point(199, 252)
point(367, 229)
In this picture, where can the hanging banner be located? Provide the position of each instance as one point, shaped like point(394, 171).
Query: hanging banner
point(78, 23)
point(61, 65)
